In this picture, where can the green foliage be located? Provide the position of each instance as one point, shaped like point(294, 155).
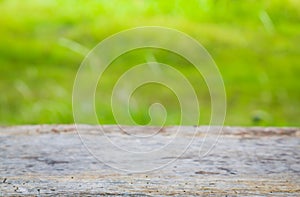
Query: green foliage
point(254, 43)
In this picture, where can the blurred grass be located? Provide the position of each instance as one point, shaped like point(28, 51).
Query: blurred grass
point(254, 43)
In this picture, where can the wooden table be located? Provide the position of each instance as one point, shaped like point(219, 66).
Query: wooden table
point(67, 160)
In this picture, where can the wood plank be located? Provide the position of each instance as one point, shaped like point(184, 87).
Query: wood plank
point(49, 160)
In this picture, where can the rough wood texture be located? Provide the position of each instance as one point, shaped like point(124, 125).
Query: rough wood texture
point(52, 160)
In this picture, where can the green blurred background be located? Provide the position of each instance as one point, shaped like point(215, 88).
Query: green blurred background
point(255, 43)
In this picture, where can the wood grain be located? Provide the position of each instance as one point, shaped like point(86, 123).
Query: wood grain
point(44, 160)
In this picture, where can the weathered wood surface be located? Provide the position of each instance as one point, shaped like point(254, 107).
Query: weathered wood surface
point(52, 160)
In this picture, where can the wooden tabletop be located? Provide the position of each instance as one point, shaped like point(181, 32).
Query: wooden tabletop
point(66, 160)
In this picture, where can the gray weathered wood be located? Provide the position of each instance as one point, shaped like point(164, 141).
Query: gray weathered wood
point(52, 160)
